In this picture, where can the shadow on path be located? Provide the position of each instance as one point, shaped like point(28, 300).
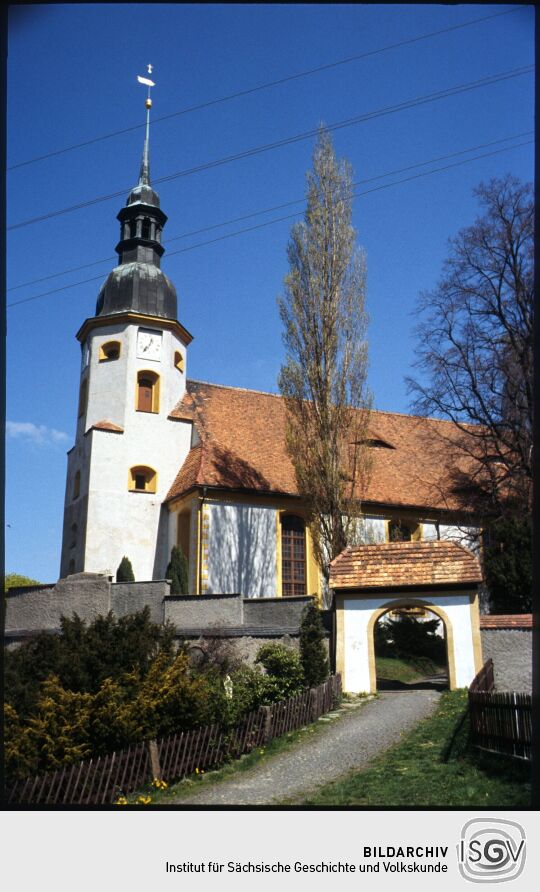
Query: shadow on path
point(429, 683)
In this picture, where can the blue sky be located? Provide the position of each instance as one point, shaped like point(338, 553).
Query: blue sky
point(72, 79)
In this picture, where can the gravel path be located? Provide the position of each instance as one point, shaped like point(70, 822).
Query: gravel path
point(348, 742)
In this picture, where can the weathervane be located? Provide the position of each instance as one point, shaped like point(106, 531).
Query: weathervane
point(148, 83)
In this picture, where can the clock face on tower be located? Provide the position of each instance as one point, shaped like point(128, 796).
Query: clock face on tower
point(149, 344)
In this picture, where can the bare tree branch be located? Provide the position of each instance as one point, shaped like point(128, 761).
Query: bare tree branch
point(475, 344)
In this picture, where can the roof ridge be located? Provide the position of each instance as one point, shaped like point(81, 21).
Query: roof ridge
point(280, 397)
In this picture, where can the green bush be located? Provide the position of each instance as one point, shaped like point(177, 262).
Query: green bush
point(177, 572)
point(67, 726)
point(95, 689)
point(312, 647)
point(284, 674)
point(14, 580)
point(83, 656)
point(125, 571)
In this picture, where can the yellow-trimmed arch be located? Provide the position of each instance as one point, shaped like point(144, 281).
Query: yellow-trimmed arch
point(411, 602)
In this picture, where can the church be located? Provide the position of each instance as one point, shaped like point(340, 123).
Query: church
point(160, 460)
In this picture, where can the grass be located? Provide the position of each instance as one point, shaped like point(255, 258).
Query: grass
point(413, 773)
point(192, 784)
point(396, 669)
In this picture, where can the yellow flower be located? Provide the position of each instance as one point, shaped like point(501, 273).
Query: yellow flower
point(144, 800)
point(121, 801)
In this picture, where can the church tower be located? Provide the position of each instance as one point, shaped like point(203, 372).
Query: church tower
point(127, 450)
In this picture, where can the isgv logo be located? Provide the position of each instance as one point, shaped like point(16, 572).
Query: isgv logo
point(491, 850)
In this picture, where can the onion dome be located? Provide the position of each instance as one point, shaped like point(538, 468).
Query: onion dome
point(137, 287)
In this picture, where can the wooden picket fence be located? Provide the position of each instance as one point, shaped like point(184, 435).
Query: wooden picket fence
point(500, 722)
point(101, 781)
point(485, 679)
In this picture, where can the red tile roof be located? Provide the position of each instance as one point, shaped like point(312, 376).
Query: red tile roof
point(507, 621)
point(395, 564)
point(243, 447)
point(107, 426)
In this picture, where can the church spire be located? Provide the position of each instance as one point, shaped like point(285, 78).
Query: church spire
point(137, 283)
point(144, 176)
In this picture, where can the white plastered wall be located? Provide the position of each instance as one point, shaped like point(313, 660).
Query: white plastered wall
point(242, 543)
point(119, 522)
point(357, 613)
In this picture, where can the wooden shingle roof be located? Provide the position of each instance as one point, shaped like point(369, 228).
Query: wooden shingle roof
point(242, 446)
point(396, 564)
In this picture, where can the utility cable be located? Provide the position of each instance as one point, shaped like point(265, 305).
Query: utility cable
point(282, 219)
point(283, 80)
point(348, 122)
point(277, 207)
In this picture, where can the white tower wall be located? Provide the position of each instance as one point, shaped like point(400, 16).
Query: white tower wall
point(111, 520)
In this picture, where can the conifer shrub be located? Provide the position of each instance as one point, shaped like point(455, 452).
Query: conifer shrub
point(125, 571)
point(83, 656)
point(177, 572)
point(313, 655)
point(284, 675)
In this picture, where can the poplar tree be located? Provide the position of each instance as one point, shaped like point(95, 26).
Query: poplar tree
point(323, 379)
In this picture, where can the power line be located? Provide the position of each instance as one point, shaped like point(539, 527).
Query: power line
point(277, 207)
point(282, 219)
point(257, 150)
point(275, 83)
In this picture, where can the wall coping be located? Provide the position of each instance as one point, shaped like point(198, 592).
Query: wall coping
point(24, 589)
point(196, 598)
point(518, 621)
point(294, 598)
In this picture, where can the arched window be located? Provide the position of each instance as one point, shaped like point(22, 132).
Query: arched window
point(76, 485)
point(142, 479)
point(147, 392)
point(71, 568)
point(293, 555)
point(145, 232)
point(83, 398)
point(109, 351)
point(178, 361)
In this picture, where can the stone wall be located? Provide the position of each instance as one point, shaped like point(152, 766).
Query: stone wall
point(129, 597)
point(197, 611)
point(249, 621)
point(511, 652)
point(243, 646)
point(279, 612)
point(40, 608)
